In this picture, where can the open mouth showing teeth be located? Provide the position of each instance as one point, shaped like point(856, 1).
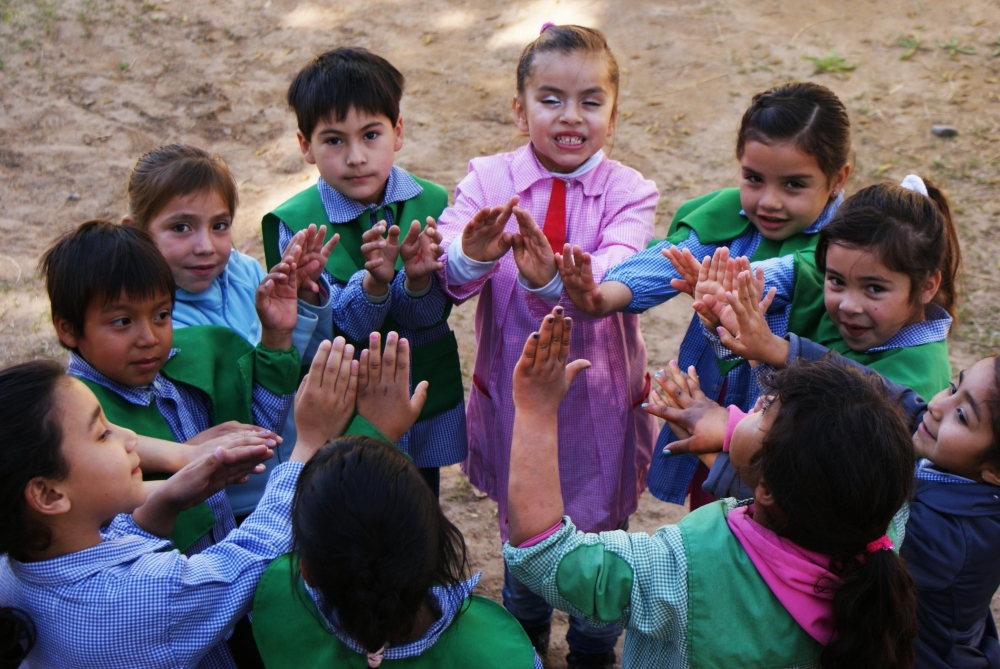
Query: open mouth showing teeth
point(572, 141)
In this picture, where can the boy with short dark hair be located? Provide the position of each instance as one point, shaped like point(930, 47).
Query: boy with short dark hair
point(379, 276)
point(111, 294)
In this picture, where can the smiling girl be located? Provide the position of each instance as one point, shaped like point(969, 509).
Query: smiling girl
point(793, 147)
point(567, 105)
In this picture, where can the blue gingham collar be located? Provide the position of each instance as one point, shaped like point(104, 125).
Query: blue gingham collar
point(449, 599)
point(399, 187)
point(824, 217)
point(928, 471)
point(140, 395)
point(934, 328)
point(77, 566)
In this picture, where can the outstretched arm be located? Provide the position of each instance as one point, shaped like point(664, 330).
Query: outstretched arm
point(576, 270)
point(541, 380)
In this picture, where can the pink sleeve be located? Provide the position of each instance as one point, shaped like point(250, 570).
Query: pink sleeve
point(539, 538)
point(735, 416)
point(628, 223)
point(469, 199)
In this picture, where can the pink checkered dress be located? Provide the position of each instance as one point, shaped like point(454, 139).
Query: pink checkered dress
point(605, 439)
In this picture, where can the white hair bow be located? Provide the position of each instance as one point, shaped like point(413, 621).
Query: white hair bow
point(913, 182)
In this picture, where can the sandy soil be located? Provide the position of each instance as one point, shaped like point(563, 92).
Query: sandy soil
point(86, 86)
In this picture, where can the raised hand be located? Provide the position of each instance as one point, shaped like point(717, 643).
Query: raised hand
point(483, 238)
point(380, 257)
point(420, 250)
point(541, 376)
point(699, 422)
point(324, 403)
point(532, 251)
point(711, 281)
point(746, 332)
point(686, 265)
point(578, 281)
point(384, 387)
point(277, 302)
point(313, 260)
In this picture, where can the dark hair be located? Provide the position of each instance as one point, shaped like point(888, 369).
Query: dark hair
point(100, 260)
point(566, 39)
point(31, 445)
point(389, 543)
point(908, 232)
point(334, 82)
point(838, 460)
point(176, 170)
point(809, 114)
point(17, 637)
point(992, 403)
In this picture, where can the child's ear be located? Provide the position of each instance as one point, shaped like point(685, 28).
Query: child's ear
point(930, 287)
point(839, 179)
point(45, 498)
point(520, 116)
point(399, 134)
point(66, 332)
point(128, 219)
point(305, 146)
point(991, 474)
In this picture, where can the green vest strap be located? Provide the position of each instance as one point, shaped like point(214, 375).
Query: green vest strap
point(437, 362)
point(924, 368)
point(291, 633)
point(191, 524)
point(734, 620)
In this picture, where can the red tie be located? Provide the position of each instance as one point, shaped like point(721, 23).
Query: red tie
point(555, 218)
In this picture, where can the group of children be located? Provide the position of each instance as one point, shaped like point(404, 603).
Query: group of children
point(167, 505)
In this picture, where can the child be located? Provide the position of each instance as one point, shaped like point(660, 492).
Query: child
point(567, 97)
point(346, 102)
point(118, 596)
point(186, 200)
point(953, 531)
point(794, 150)
point(111, 295)
point(804, 575)
point(388, 581)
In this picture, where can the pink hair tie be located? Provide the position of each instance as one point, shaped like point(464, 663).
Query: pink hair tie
point(546, 26)
point(375, 659)
point(883, 543)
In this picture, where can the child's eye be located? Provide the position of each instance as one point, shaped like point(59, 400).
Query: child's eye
point(122, 322)
point(104, 435)
point(371, 135)
point(795, 184)
point(834, 282)
point(222, 225)
point(592, 103)
point(753, 178)
point(953, 388)
point(550, 100)
point(334, 141)
point(181, 228)
point(162, 316)
point(875, 288)
point(962, 418)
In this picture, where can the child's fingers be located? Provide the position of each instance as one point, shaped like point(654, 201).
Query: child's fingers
point(363, 370)
point(694, 384)
point(418, 398)
point(332, 368)
point(403, 362)
point(586, 267)
point(566, 335)
point(353, 382)
point(392, 238)
point(730, 342)
point(574, 368)
point(389, 358)
point(411, 234)
point(328, 248)
point(544, 340)
point(530, 351)
point(765, 304)
point(557, 352)
point(343, 377)
point(506, 211)
point(374, 358)
point(314, 379)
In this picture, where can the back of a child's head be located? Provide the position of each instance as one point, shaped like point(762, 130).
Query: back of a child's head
point(372, 538)
point(809, 115)
point(566, 39)
point(907, 231)
point(838, 461)
point(30, 446)
point(344, 79)
point(174, 171)
point(100, 260)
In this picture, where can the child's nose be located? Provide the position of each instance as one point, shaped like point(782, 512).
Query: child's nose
point(356, 156)
point(770, 199)
point(147, 335)
point(202, 244)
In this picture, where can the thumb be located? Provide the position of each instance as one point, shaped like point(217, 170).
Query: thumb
point(419, 397)
point(729, 341)
point(679, 447)
point(574, 368)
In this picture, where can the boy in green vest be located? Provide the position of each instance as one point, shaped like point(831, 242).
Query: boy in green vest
point(376, 273)
point(111, 294)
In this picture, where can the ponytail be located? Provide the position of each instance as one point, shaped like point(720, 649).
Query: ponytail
point(874, 612)
point(17, 637)
point(951, 255)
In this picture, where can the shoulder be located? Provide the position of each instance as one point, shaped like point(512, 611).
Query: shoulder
point(245, 266)
point(204, 338)
point(613, 177)
point(498, 163)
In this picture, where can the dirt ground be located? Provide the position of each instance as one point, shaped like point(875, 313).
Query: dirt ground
point(86, 86)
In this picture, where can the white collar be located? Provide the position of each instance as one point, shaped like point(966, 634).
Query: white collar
point(588, 165)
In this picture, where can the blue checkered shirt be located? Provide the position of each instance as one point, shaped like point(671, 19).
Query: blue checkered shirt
point(928, 471)
point(648, 275)
point(437, 441)
point(449, 601)
point(131, 601)
point(187, 412)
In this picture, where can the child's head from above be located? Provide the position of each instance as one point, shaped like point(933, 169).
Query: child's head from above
point(887, 253)
point(831, 462)
point(567, 95)
point(390, 544)
point(185, 199)
point(111, 294)
point(794, 147)
point(346, 102)
point(65, 466)
point(960, 427)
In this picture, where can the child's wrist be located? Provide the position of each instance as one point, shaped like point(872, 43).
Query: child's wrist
point(276, 340)
point(777, 352)
point(374, 286)
point(416, 284)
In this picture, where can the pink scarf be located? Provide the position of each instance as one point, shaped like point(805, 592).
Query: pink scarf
point(791, 572)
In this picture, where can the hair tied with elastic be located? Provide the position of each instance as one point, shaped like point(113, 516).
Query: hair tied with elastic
point(546, 26)
point(883, 543)
point(914, 183)
point(375, 659)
